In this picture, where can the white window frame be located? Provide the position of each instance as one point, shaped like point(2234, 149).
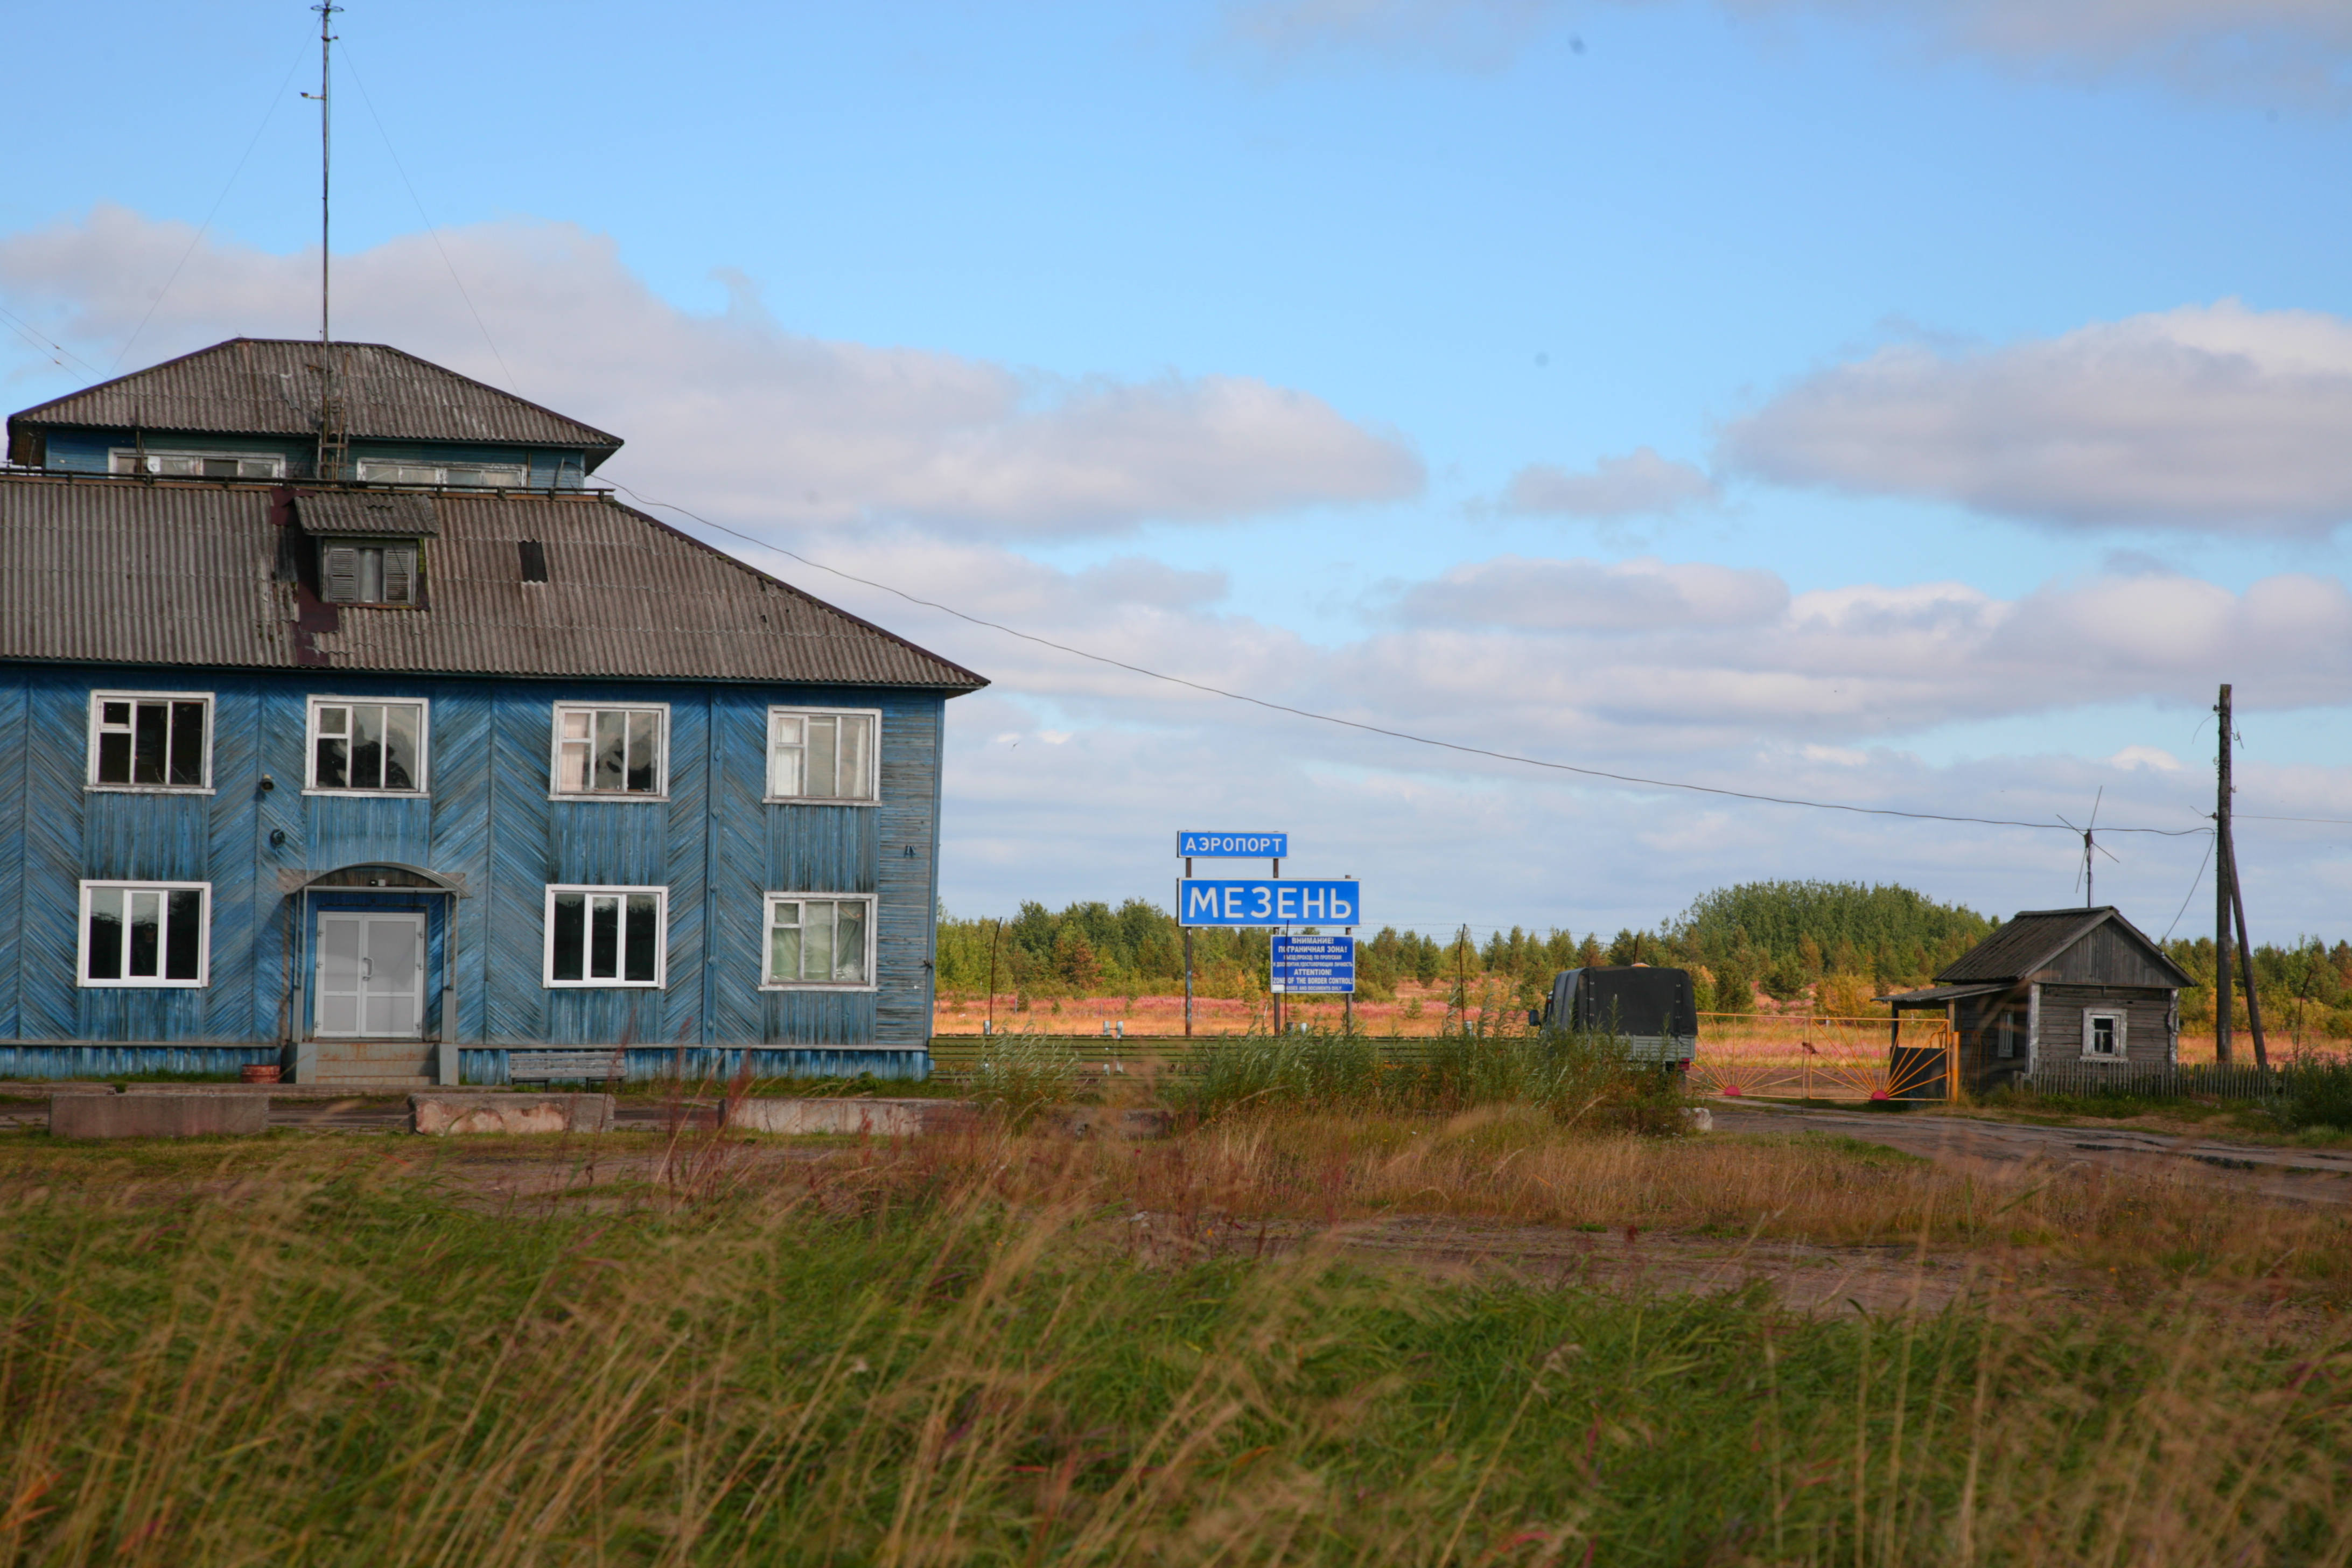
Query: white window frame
point(310, 785)
point(2121, 1022)
point(769, 756)
point(768, 979)
point(555, 790)
point(144, 982)
point(586, 982)
point(445, 474)
point(132, 460)
point(91, 779)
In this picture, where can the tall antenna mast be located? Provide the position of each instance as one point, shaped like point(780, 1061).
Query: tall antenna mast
point(327, 10)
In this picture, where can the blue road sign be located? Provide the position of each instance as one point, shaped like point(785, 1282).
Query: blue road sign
point(1317, 965)
point(1201, 903)
point(1234, 846)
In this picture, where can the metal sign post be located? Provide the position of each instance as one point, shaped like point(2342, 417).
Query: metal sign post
point(1272, 847)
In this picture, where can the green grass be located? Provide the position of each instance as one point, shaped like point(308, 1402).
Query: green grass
point(1584, 1080)
point(349, 1354)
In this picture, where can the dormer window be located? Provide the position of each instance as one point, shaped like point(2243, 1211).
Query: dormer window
point(375, 573)
point(198, 465)
point(404, 471)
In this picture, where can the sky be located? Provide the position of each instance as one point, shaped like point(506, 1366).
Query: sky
point(1913, 407)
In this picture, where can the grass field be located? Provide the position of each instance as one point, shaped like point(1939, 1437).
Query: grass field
point(1005, 1348)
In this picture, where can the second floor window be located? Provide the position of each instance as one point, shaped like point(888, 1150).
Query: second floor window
point(367, 746)
point(821, 753)
point(150, 739)
point(612, 752)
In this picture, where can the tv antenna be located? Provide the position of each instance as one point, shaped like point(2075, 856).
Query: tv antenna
point(2091, 846)
point(327, 10)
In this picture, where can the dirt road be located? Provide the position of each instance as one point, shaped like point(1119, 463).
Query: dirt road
point(2304, 1176)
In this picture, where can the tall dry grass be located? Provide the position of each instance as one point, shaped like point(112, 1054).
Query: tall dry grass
point(955, 1351)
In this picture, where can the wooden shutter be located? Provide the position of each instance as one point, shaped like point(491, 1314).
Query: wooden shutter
point(342, 574)
point(399, 576)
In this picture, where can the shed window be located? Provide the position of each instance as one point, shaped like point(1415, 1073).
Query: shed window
point(150, 739)
point(606, 936)
point(820, 940)
point(198, 465)
point(367, 745)
point(2103, 1036)
point(145, 933)
point(821, 753)
point(369, 574)
point(611, 752)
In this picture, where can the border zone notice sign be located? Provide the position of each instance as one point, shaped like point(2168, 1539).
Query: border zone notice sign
point(1324, 964)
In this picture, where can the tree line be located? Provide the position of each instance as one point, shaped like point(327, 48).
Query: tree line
point(1835, 944)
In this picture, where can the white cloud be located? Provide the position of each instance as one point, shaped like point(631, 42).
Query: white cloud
point(2274, 50)
point(2206, 417)
point(2154, 757)
point(2292, 52)
point(759, 419)
point(1644, 594)
point(1641, 482)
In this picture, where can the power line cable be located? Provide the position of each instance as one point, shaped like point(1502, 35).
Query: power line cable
point(352, 65)
point(46, 344)
point(267, 114)
point(2193, 881)
point(2329, 821)
point(1376, 728)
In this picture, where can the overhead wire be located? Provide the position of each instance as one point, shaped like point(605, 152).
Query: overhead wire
point(430, 227)
point(48, 346)
point(1372, 729)
point(202, 229)
point(2209, 840)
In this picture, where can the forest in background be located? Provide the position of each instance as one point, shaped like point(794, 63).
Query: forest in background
point(1829, 944)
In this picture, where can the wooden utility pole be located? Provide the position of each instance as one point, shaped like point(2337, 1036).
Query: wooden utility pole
point(2224, 880)
point(2246, 967)
point(993, 937)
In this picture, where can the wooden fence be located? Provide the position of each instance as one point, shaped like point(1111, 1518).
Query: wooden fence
point(2198, 1079)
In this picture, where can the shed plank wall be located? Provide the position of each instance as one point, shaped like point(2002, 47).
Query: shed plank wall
point(2147, 1040)
point(487, 820)
point(2108, 956)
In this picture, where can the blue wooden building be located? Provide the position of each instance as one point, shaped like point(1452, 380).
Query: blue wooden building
point(345, 725)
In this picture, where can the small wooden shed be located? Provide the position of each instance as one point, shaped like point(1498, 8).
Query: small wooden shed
point(2051, 987)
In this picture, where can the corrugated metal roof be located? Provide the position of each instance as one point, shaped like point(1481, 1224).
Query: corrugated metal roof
point(270, 386)
point(2034, 939)
point(184, 573)
point(362, 511)
point(1937, 995)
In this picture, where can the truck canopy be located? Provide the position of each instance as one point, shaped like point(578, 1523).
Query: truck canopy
point(1654, 1009)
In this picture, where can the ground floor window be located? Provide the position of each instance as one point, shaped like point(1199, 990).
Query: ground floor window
point(606, 936)
point(145, 933)
point(2103, 1034)
point(820, 939)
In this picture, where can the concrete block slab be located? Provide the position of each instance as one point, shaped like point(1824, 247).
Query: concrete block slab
point(878, 1118)
point(437, 1115)
point(157, 1115)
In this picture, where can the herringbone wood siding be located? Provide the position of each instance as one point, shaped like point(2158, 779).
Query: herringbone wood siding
point(485, 821)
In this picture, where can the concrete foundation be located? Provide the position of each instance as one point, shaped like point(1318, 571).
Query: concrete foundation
point(436, 1115)
point(158, 1115)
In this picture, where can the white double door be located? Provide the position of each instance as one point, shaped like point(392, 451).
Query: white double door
point(370, 975)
